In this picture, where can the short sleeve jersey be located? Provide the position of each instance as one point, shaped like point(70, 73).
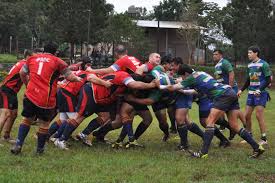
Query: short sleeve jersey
point(205, 84)
point(222, 70)
point(257, 73)
point(103, 95)
point(129, 64)
point(44, 70)
point(13, 80)
point(74, 87)
point(163, 77)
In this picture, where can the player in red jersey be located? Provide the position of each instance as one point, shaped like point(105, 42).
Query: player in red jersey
point(40, 96)
point(67, 99)
point(8, 98)
point(125, 63)
point(95, 98)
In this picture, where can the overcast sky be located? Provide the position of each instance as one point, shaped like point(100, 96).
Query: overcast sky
point(122, 5)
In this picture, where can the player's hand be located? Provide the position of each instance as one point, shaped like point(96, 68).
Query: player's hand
point(170, 88)
point(157, 82)
point(78, 79)
point(239, 93)
point(257, 93)
point(89, 69)
point(108, 84)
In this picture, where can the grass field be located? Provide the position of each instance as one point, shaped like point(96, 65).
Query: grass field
point(7, 58)
point(158, 162)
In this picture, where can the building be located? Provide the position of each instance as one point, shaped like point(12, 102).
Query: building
point(165, 39)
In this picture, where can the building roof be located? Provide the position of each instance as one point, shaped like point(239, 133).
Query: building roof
point(167, 24)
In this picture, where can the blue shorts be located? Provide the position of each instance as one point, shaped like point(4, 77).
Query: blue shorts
point(184, 101)
point(227, 101)
point(261, 100)
point(205, 106)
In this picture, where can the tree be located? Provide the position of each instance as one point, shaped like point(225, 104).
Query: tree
point(169, 10)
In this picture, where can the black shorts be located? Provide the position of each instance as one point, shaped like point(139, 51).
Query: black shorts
point(66, 101)
point(8, 98)
point(138, 107)
point(30, 110)
point(227, 101)
point(86, 105)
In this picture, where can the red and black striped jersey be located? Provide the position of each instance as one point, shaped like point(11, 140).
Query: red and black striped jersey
point(44, 70)
point(13, 80)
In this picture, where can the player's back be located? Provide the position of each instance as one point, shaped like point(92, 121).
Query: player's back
point(13, 80)
point(44, 70)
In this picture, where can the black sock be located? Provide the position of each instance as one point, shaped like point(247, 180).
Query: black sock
point(207, 138)
point(223, 122)
point(91, 127)
point(183, 131)
point(122, 135)
point(193, 127)
point(140, 129)
point(164, 128)
point(60, 129)
point(219, 134)
point(103, 130)
point(248, 138)
point(69, 129)
point(53, 128)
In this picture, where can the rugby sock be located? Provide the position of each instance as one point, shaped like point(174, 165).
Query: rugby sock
point(164, 128)
point(248, 138)
point(91, 127)
point(103, 130)
point(54, 127)
point(219, 134)
point(129, 129)
point(70, 127)
point(183, 131)
point(42, 135)
point(142, 127)
point(22, 133)
point(193, 127)
point(60, 129)
point(122, 135)
point(207, 138)
point(223, 122)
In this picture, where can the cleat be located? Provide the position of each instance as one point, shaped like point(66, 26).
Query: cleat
point(258, 152)
point(263, 142)
point(133, 145)
point(16, 149)
point(165, 137)
point(117, 145)
point(61, 144)
point(224, 144)
point(199, 155)
point(39, 151)
point(84, 139)
point(9, 140)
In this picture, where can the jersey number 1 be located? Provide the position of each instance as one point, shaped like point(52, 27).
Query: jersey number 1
point(40, 68)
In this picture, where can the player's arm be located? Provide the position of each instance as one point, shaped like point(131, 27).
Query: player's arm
point(101, 71)
point(231, 78)
point(69, 75)
point(24, 74)
point(188, 91)
point(96, 80)
point(171, 88)
point(142, 101)
point(141, 85)
point(141, 69)
point(245, 86)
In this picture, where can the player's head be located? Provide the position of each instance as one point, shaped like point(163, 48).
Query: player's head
point(27, 53)
point(37, 50)
point(217, 55)
point(253, 53)
point(120, 51)
point(185, 70)
point(176, 62)
point(154, 59)
point(166, 62)
point(50, 47)
point(84, 61)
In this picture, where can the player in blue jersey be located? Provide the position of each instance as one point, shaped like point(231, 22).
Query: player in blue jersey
point(258, 79)
point(224, 99)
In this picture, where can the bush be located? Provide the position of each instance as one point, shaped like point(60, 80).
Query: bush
point(8, 58)
point(3, 74)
